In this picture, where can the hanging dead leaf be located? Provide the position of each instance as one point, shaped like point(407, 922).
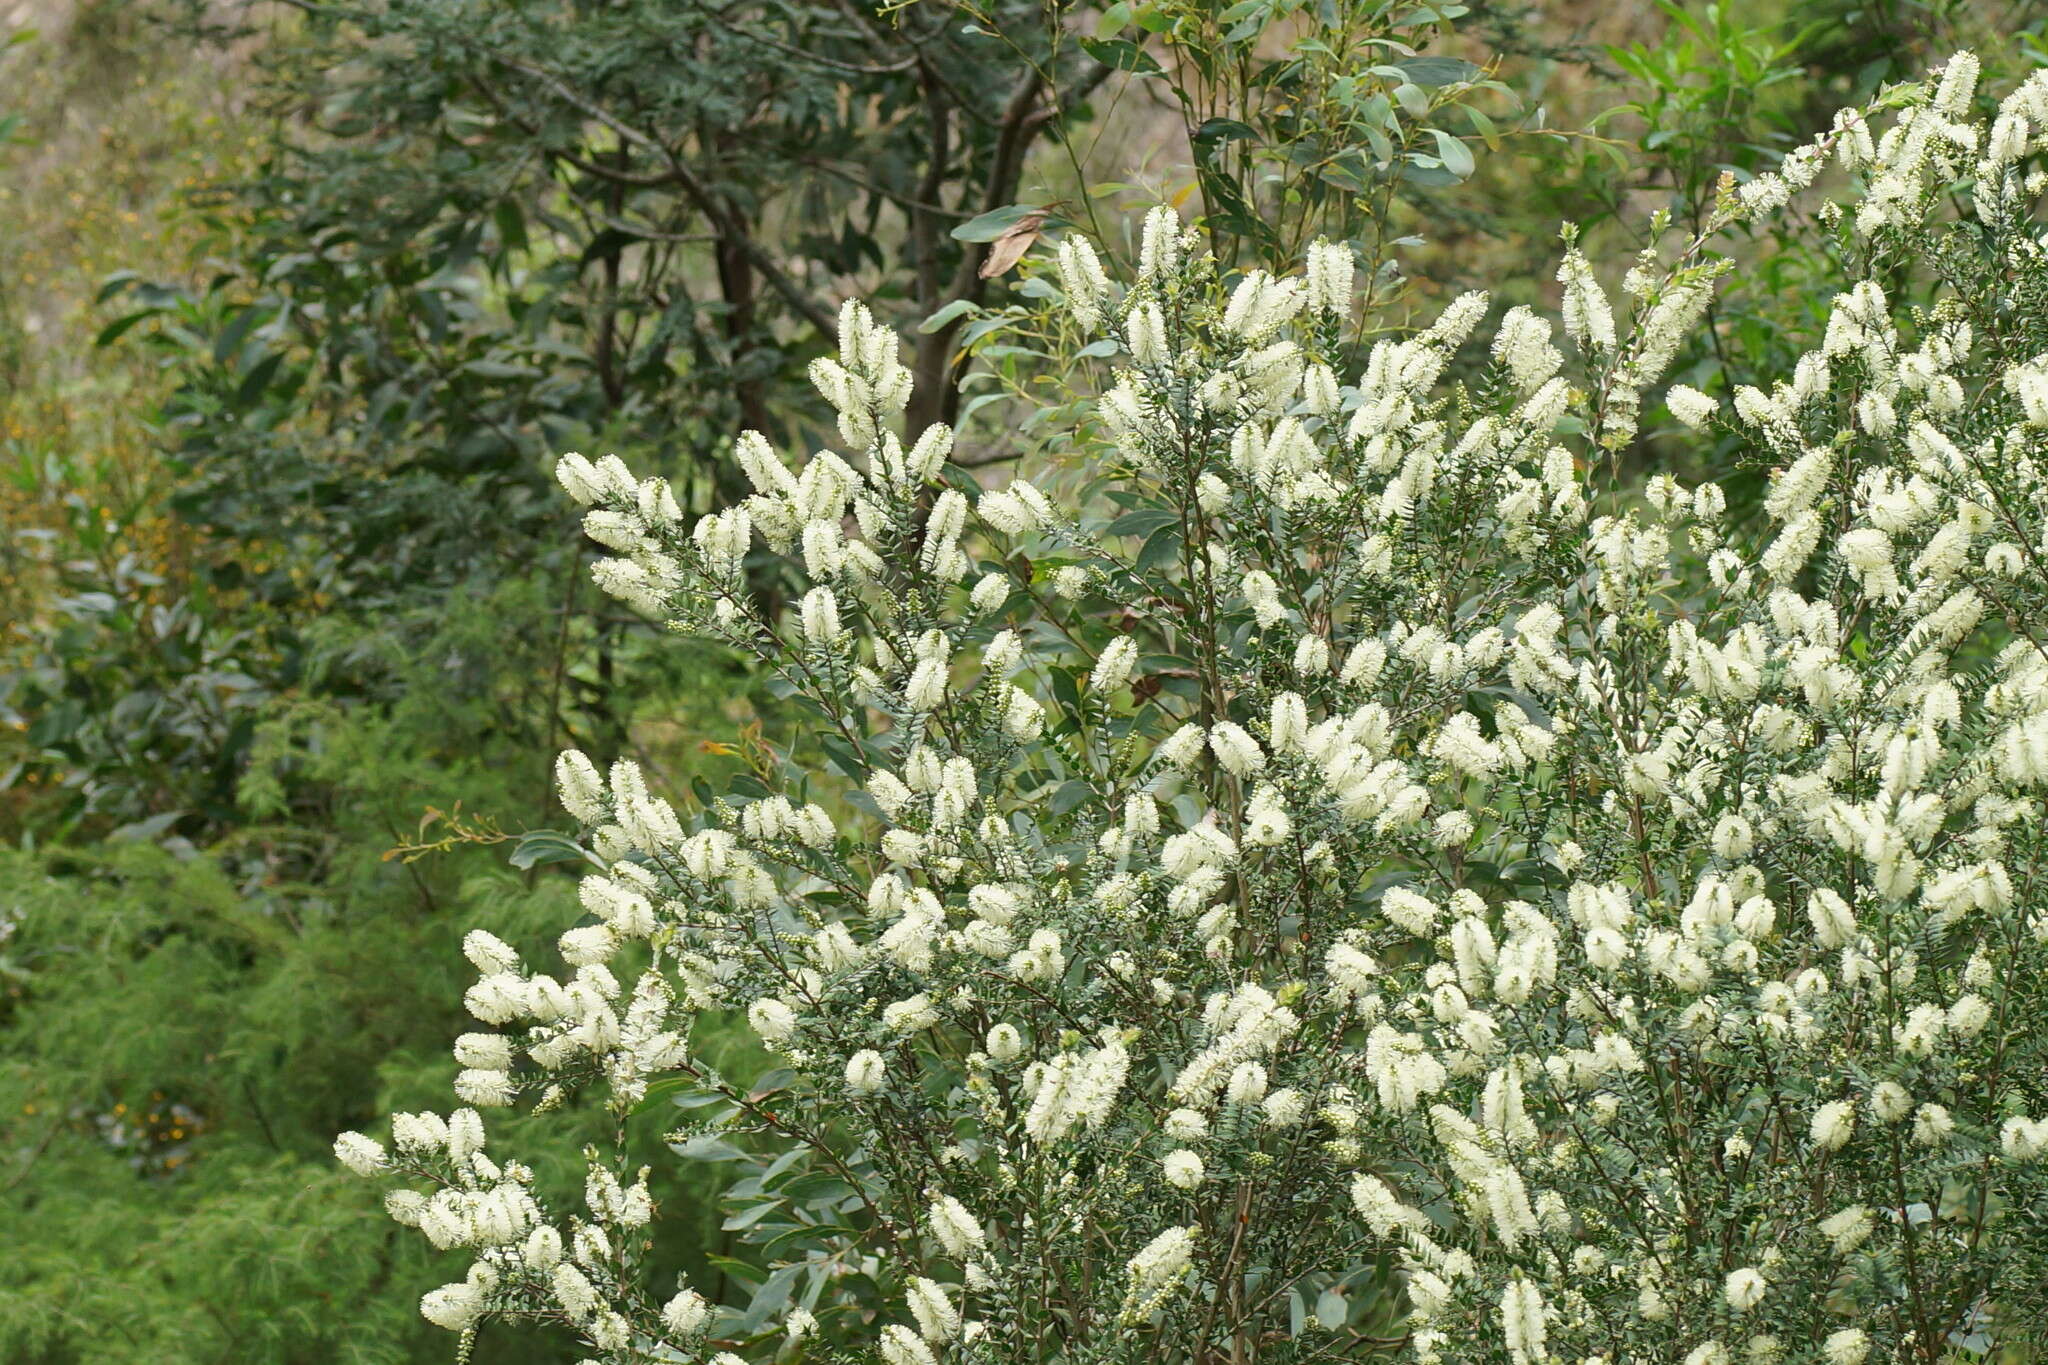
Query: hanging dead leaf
point(1005, 251)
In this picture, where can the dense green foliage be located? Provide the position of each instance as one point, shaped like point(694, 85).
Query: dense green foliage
point(273, 491)
point(184, 1030)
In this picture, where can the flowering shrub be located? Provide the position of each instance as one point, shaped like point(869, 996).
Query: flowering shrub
point(1374, 886)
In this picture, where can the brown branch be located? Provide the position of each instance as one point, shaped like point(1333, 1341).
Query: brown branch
point(644, 233)
point(982, 458)
point(883, 191)
point(681, 176)
point(642, 180)
point(936, 370)
point(851, 68)
point(924, 228)
point(933, 368)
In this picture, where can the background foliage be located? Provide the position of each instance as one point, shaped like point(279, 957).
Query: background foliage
point(295, 301)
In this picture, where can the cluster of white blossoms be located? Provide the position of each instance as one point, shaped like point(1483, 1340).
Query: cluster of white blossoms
point(1363, 882)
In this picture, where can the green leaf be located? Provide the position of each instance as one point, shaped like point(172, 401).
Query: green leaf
point(116, 283)
point(768, 1300)
point(1121, 53)
point(1153, 19)
point(1218, 130)
point(1349, 170)
point(781, 1078)
point(972, 406)
point(1485, 127)
point(1532, 872)
point(1142, 522)
point(843, 756)
point(1432, 72)
point(119, 327)
point(258, 379)
point(1065, 689)
point(816, 1189)
point(1070, 796)
point(661, 1092)
point(1162, 547)
point(511, 223)
point(1455, 155)
point(233, 334)
point(994, 223)
point(538, 847)
point(608, 244)
point(707, 1147)
point(747, 1217)
point(945, 315)
point(741, 1272)
point(499, 369)
point(689, 1098)
point(819, 1233)
point(984, 327)
point(1427, 172)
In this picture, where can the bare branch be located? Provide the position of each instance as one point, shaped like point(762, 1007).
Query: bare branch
point(681, 175)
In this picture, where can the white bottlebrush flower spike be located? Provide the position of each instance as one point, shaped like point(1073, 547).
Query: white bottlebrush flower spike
point(1592, 923)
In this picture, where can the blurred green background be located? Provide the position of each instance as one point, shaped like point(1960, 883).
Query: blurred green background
point(296, 302)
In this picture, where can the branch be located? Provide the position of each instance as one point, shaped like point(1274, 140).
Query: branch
point(934, 368)
point(1005, 169)
point(851, 68)
point(883, 191)
point(982, 458)
point(1085, 87)
point(648, 234)
point(854, 12)
point(568, 95)
point(686, 180)
point(632, 179)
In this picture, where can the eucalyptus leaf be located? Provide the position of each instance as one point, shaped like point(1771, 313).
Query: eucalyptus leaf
point(1434, 72)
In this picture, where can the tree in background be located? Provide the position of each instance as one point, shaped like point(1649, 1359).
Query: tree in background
point(488, 232)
